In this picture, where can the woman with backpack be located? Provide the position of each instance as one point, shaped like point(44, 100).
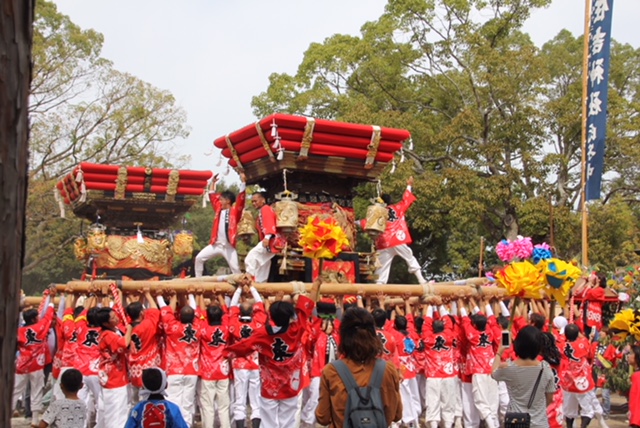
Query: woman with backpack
point(359, 387)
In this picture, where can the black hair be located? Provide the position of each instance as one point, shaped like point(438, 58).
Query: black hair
point(263, 195)
point(503, 322)
point(571, 332)
point(228, 195)
point(325, 308)
point(214, 315)
point(152, 379)
point(419, 322)
point(134, 310)
point(537, 320)
point(281, 313)
point(479, 322)
point(386, 198)
point(92, 317)
point(527, 343)
point(77, 311)
point(401, 324)
point(71, 380)
point(602, 279)
point(103, 316)
point(187, 314)
point(549, 350)
point(438, 326)
point(379, 317)
point(30, 316)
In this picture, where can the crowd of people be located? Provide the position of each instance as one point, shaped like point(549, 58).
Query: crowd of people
point(243, 360)
point(269, 361)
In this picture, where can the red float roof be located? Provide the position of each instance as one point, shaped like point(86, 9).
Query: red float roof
point(313, 145)
point(124, 195)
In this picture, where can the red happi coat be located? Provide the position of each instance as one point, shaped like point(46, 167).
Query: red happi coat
point(87, 346)
point(577, 356)
point(112, 368)
point(239, 330)
point(182, 344)
point(235, 213)
point(144, 350)
point(397, 231)
point(408, 365)
point(32, 344)
point(69, 339)
point(283, 364)
point(593, 299)
point(319, 344)
point(266, 225)
point(439, 349)
point(214, 339)
point(481, 346)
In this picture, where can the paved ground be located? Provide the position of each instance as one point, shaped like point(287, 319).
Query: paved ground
point(618, 419)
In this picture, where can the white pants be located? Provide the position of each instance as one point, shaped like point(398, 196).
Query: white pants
point(442, 400)
point(115, 404)
point(573, 400)
point(91, 394)
point(181, 390)
point(310, 401)
point(470, 413)
point(458, 397)
point(36, 383)
point(280, 413)
point(246, 382)
point(485, 395)
point(386, 257)
point(258, 262)
point(210, 393)
point(225, 250)
point(410, 400)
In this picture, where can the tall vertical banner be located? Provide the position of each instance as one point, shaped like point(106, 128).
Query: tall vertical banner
point(597, 91)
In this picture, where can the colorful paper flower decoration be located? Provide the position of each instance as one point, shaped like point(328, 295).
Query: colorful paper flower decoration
point(322, 238)
point(626, 322)
point(560, 277)
point(521, 279)
point(541, 252)
point(505, 251)
point(522, 248)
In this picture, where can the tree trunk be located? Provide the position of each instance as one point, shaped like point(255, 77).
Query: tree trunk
point(16, 36)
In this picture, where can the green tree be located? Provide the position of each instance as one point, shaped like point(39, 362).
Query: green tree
point(495, 119)
point(84, 110)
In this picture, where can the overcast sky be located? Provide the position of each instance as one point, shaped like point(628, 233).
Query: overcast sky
point(214, 55)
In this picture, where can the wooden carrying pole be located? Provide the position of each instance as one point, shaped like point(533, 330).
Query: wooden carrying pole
point(452, 289)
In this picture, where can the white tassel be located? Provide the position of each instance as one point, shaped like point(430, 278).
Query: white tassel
point(58, 198)
point(227, 170)
point(205, 195)
point(140, 237)
point(280, 154)
point(410, 144)
point(401, 156)
point(219, 160)
point(274, 129)
point(393, 166)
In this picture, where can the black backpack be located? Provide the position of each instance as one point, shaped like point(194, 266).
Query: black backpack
point(364, 404)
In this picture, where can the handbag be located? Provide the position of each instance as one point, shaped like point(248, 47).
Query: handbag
point(522, 420)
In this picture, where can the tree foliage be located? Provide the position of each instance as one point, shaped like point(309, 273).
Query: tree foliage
point(495, 120)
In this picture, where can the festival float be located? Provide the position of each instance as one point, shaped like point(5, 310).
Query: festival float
point(309, 169)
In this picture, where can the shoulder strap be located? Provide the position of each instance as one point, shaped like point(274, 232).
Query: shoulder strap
point(535, 387)
point(378, 373)
point(345, 375)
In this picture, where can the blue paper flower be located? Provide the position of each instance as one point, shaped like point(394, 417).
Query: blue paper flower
point(541, 253)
